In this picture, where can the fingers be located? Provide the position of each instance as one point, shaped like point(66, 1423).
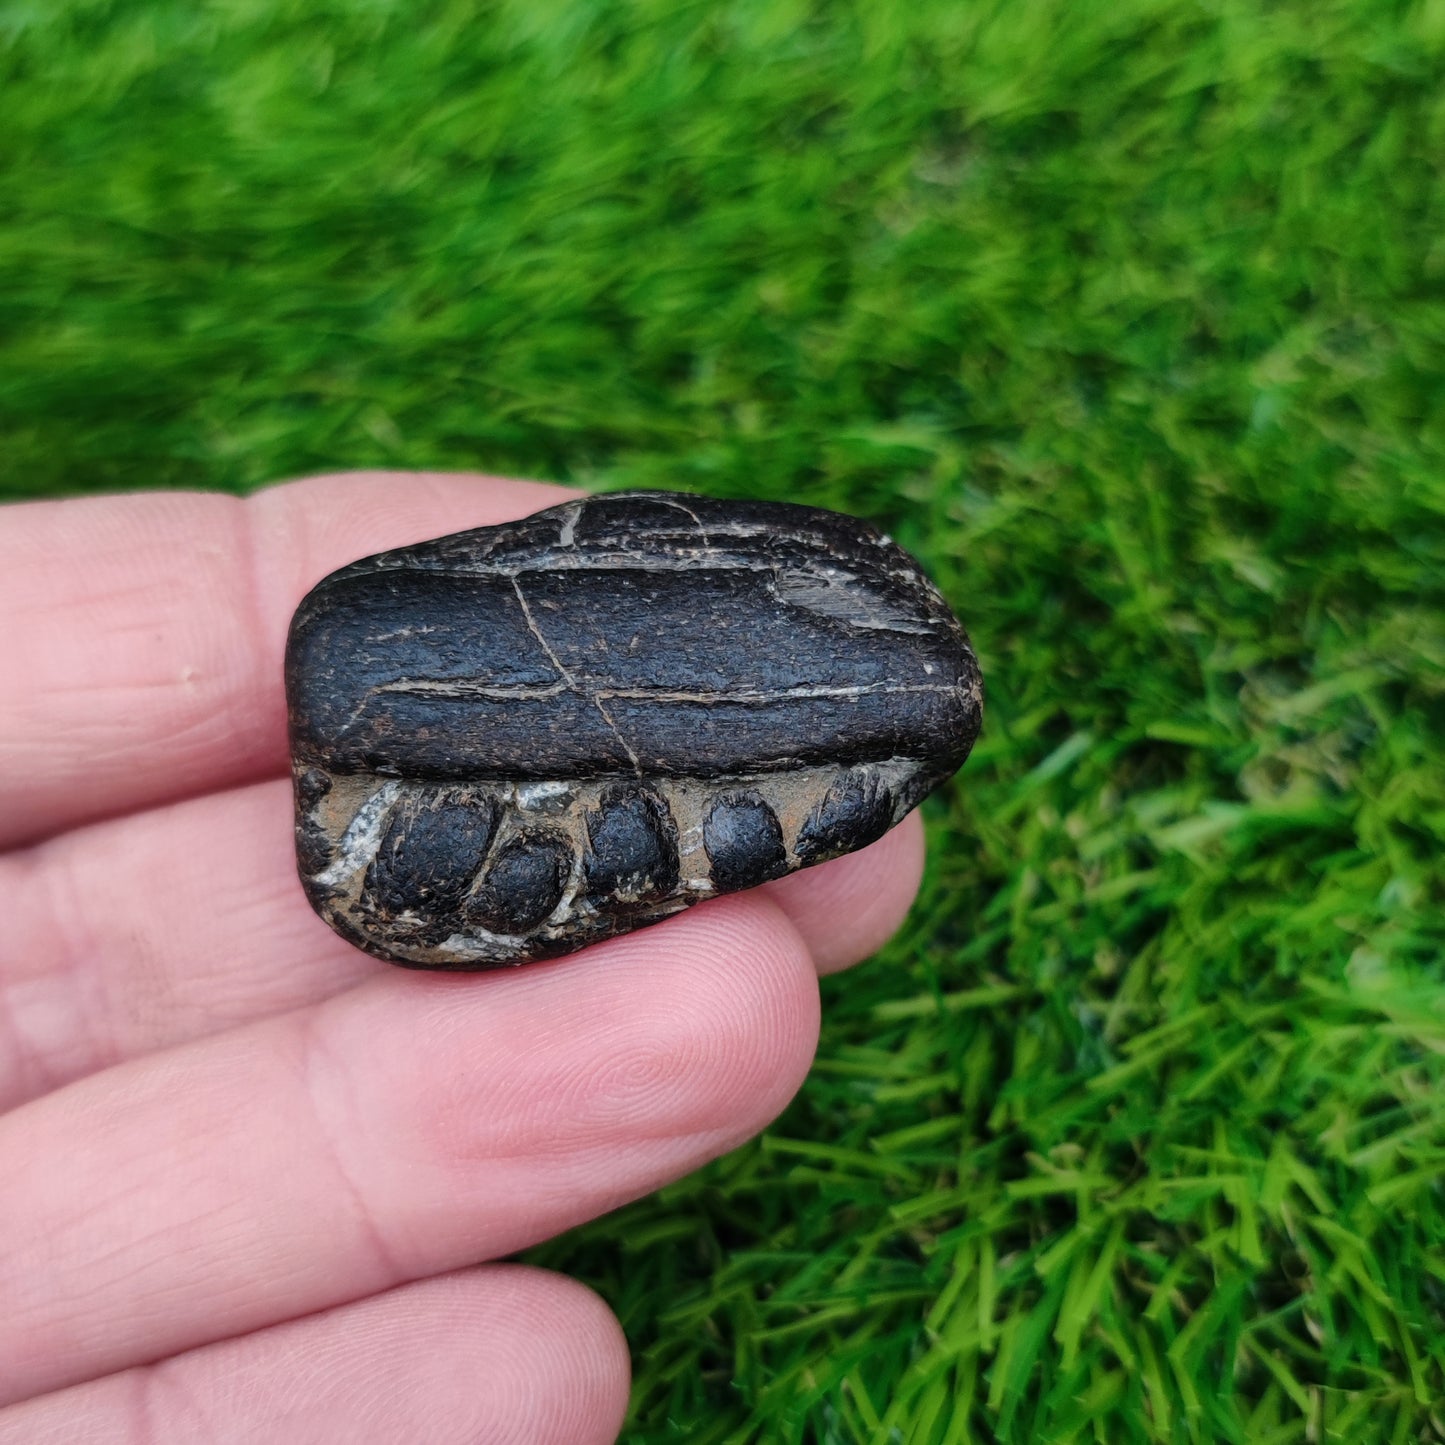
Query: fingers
point(400, 1129)
point(146, 633)
point(502, 1355)
point(143, 932)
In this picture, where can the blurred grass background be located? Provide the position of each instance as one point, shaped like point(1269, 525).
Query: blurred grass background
point(1129, 319)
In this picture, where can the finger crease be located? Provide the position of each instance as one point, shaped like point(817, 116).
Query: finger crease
point(78, 950)
point(252, 586)
point(58, 1040)
point(170, 1398)
point(312, 1050)
point(144, 1418)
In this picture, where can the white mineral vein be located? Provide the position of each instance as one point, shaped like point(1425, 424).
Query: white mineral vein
point(467, 687)
point(683, 507)
point(571, 681)
point(570, 518)
point(362, 837)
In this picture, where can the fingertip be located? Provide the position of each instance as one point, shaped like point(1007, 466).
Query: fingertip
point(741, 963)
point(708, 1020)
point(532, 1099)
point(847, 909)
point(562, 1330)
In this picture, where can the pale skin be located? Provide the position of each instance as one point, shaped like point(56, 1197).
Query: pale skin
point(251, 1180)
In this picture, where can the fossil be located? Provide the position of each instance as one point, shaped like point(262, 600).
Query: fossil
point(515, 741)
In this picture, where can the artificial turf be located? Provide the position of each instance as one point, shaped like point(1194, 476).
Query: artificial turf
point(1129, 319)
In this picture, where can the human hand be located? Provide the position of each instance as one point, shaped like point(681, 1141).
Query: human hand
point(247, 1174)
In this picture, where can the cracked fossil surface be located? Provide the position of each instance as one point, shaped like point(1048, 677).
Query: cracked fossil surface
point(518, 740)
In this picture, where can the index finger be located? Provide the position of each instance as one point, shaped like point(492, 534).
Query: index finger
point(144, 635)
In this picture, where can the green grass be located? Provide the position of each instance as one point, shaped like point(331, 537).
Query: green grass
point(1128, 318)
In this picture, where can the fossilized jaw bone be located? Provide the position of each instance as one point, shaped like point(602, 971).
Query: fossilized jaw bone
point(514, 741)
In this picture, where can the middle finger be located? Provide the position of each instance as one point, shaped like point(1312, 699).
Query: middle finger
point(397, 1130)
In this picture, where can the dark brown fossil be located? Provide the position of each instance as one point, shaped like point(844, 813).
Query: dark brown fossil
point(515, 741)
